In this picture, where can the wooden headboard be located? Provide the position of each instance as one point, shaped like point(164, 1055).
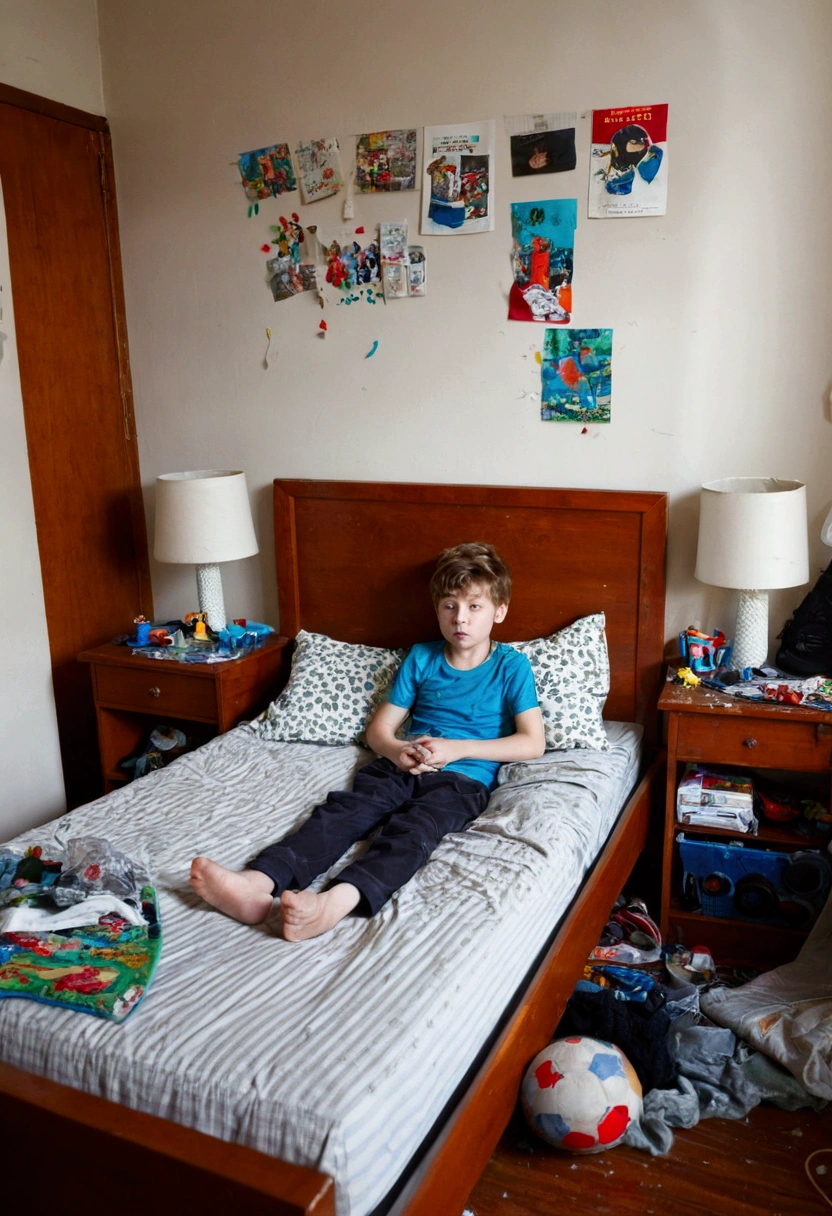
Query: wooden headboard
point(354, 560)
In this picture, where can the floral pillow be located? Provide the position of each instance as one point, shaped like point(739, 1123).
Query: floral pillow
point(332, 689)
point(572, 673)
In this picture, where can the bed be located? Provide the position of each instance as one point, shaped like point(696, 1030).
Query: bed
point(353, 561)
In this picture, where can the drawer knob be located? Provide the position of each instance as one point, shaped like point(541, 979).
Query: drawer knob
point(750, 742)
point(155, 691)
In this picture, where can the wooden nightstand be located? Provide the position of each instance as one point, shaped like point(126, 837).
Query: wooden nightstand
point(132, 694)
point(711, 728)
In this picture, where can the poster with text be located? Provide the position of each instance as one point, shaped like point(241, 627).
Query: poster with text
point(458, 179)
point(628, 162)
point(541, 260)
point(576, 375)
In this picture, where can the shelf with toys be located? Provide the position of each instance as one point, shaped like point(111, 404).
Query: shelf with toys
point(747, 879)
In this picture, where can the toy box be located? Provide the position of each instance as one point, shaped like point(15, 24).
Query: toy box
point(754, 884)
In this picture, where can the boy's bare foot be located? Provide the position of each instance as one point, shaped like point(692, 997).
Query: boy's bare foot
point(247, 895)
point(306, 914)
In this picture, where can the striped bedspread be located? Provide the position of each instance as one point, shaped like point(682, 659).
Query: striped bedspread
point(339, 1052)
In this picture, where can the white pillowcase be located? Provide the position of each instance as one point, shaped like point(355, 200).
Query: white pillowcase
point(332, 689)
point(572, 673)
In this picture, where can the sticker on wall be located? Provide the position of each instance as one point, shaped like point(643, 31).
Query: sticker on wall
point(458, 181)
point(292, 271)
point(576, 375)
point(541, 260)
point(319, 167)
point(267, 172)
point(385, 161)
point(541, 143)
point(403, 266)
point(628, 163)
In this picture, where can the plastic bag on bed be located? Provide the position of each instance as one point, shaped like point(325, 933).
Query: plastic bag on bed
point(93, 866)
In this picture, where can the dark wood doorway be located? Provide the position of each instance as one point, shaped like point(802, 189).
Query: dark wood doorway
point(57, 175)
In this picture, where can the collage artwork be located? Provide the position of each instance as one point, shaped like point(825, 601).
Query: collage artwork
point(627, 178)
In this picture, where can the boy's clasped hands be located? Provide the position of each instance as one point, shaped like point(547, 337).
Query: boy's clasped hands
point(425, 755)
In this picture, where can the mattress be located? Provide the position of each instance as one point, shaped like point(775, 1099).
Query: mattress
point(340, 1052)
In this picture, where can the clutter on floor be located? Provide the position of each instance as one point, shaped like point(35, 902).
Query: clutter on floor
point(79, 927)
point(698, 1040)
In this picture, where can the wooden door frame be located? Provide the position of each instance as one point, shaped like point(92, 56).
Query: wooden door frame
point(9, 95)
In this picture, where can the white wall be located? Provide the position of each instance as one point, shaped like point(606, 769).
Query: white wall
point(721, 309)
point(48, 47)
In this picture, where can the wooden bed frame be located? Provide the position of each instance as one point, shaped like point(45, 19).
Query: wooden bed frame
point(353, 561)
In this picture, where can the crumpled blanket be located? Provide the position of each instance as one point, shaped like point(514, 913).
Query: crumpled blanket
point(98, 950)
point(787, 1012)
point(719, 1077)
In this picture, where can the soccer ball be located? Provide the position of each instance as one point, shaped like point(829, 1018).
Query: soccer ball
point(581, 1095)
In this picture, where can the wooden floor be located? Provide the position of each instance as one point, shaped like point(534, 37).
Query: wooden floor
point(753, 1167)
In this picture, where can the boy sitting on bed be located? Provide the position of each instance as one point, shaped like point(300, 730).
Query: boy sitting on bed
point(474, 707)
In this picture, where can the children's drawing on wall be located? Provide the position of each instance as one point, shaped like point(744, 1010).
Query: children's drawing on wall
point(319, 166)
point(267, 172)
point(541, 260)
point(385, 161)
point(403, 266)
point(417, 275)
point(290, 272)
point(541, 143)
point(351, 267)
point(628, 164)
point(458, 181)
point(576, 375)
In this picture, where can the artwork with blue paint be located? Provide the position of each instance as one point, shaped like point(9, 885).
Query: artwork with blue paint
point(576, 375)
point(267, 172)
point(543, 235)
point(628, 172)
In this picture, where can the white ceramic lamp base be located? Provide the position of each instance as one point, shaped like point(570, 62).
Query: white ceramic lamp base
point(751, 634)
point(209, 589)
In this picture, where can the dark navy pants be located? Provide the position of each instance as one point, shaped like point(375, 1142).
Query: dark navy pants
point(414, 811)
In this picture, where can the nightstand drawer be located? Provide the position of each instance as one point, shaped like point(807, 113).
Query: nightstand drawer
point(755, 742)
point(156, 692)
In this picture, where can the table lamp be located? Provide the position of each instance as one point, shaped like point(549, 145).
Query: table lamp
point(204, 518)
point(753, 536)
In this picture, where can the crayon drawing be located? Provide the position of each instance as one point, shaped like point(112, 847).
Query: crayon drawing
point(385, 161)
point(319, 165)
point(267, 172)
point(576, 375)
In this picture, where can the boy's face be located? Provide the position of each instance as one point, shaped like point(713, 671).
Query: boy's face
point(466, 617)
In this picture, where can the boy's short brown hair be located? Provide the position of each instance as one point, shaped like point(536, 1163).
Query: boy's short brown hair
point(473, 563)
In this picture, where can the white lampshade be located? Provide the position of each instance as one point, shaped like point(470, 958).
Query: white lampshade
point(753, 533)
point(753, 536)
point(204, 518)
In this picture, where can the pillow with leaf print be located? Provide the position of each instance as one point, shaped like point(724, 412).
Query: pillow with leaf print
point(332, 689)
point(572, 673)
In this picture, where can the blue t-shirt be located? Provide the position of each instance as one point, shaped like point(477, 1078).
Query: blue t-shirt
point(480, 703)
